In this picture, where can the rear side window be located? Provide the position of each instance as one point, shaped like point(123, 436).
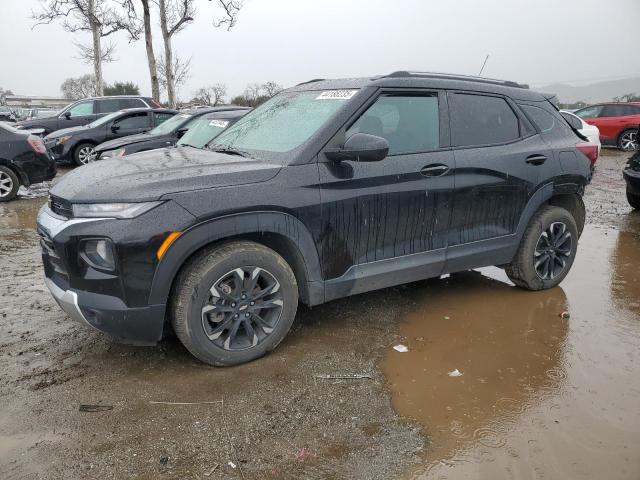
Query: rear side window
point(139, 120)
point(160, 118)
point(481, 120)
point(108, 105)
point(410, 124)
point(130, 103)
point(618, 110)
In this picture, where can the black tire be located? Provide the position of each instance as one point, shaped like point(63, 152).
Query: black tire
point(634, 200)
point(9, 184)
point(192, 293)
point(623, 140)
point(522, 270)
point(78, 153)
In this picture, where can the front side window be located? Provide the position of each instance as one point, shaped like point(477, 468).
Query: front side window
point(82, 108)
point(202, 131)
point(284, 122)
point(589, 112)
point(481, 120)
point(138, 120)
point(410, 123)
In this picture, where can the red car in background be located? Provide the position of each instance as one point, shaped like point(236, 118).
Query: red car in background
point(618, 122)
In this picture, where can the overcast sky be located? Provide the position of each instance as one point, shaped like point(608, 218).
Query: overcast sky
point(290, 41)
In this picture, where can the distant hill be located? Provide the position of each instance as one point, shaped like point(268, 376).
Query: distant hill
point(595, 92)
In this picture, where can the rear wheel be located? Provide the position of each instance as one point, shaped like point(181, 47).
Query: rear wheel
point(547, 250)
point(9, 184)
point(628, 140)
point(233, 303)
point(84, 153)
point(633, 199)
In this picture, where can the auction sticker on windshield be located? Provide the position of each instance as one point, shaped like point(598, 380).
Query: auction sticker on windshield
point(336, 95)
point(218, 123)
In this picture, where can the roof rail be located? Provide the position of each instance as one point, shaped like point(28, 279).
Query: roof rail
point(311, 81)
point(452, 76)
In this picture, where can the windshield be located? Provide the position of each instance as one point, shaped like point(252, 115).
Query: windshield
point(284, 122)
point(202, 131)
point(170, 125)
point(104, 120)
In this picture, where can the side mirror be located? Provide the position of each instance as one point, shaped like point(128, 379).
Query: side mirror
point(115, 128)
point(361, 147)
point(67, 115)
point(181, 131)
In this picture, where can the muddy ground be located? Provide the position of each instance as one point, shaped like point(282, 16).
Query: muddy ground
point(539, 396)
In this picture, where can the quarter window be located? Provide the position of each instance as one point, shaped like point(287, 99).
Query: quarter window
point(82, 108)
point(481, 120)
point(543, 119)
point(410, 124)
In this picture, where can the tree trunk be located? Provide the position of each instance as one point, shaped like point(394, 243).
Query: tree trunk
point(151, 57)
point(168, 55)
point(97, 49)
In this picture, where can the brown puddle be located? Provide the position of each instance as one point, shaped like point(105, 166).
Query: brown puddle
point(540, 396)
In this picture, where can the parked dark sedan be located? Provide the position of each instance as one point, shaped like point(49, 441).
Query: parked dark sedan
point(86, 111)
point(631, 175)
point(77, 144)
point(23, 161)
point(171, 131)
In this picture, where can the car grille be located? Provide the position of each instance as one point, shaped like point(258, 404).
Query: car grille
point(60, 206)
point(53, 263)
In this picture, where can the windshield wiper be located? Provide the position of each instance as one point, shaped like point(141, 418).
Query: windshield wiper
point(231, 151)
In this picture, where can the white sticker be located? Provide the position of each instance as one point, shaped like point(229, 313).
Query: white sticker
point(336, 95)
point(218, 123)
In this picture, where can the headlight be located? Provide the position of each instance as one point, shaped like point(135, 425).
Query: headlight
point(98, 253)
point(64, 139)
point(112, 210)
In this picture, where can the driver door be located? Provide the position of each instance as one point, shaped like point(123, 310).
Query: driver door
point(138, 122)
point(81, 113)
point(391, 215)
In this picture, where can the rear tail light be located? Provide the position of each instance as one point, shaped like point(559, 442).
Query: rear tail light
point(155, 104)
point(589, 149)
point(36, 143)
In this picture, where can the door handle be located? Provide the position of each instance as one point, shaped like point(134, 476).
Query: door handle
point(536, 159)
point(436, 170)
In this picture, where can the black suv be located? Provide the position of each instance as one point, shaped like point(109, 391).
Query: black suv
point(86, 111)
point(329, 189)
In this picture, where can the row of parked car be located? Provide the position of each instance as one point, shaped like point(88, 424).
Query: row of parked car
point(87, 130)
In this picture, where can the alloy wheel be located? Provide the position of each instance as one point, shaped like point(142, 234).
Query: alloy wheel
point(552, 251)
point(6, 184)
point(628, 141)
point(243, 308)
point(86, 155)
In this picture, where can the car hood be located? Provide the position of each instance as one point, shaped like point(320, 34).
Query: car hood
point(147, 176)
point(36, 122)
point(124, 141)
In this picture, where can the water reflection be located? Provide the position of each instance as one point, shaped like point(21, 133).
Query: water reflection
point(507, 343)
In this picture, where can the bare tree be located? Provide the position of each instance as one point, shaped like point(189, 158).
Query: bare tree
point(231, 9)
point(81, 87)
point(98, 17)
point(271, 88)
point(144, 24)
point(180, 71)
point(212, 95)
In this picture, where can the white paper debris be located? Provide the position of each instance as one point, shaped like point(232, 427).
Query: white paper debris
point(232, 465)
point(401, 348)
point(455, 373)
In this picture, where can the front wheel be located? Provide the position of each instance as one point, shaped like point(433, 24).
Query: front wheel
point(633, 199)
point(628, 140)
point(84, 153)
point(547, 250)
point(233, 303)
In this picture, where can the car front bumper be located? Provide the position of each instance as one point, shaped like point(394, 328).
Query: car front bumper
point(632, 177)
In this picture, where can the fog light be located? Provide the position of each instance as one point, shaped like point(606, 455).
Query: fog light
point(98, 253)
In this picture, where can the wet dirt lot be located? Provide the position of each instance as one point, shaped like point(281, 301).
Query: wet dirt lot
point(539, 396)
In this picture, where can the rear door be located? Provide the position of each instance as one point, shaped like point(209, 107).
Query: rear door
point(498, 159)
point(396, 207)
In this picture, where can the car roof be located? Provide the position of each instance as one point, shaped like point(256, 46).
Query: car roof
point(409, 79)
point(228, 113)
point(147, 109)
point(205, 110)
